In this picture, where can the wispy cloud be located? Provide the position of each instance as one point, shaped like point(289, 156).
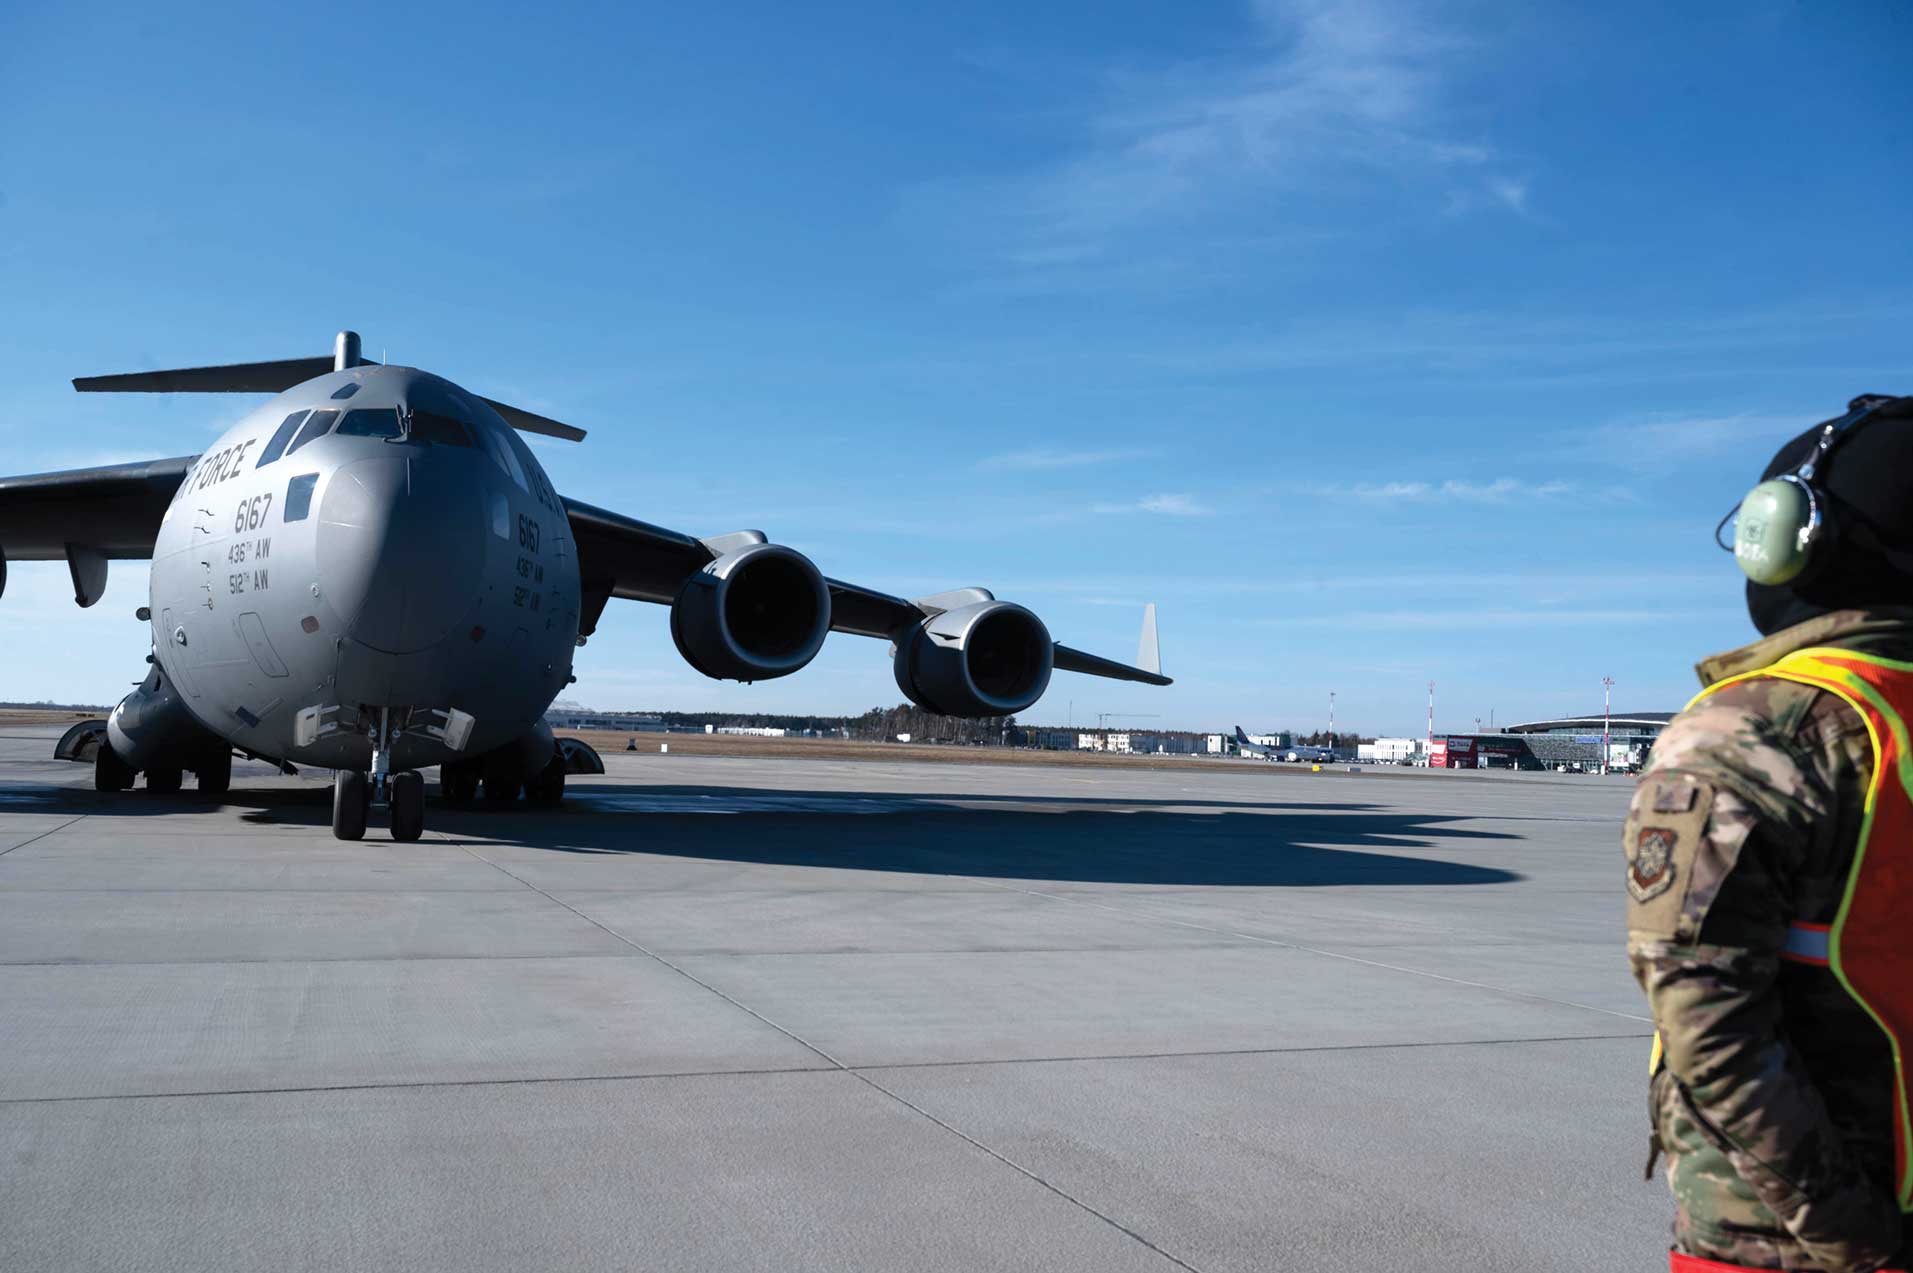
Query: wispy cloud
point(1042, 458)
point(1503, 490)
point(1325, 92)
point(1538, 347)
point(1510, 192)
point(1166, 505)
point(1668, 442)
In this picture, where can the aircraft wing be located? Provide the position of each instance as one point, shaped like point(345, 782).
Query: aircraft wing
point(620, 556)
point(112, 511)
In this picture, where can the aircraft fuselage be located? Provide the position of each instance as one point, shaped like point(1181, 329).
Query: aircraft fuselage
point(405, 552)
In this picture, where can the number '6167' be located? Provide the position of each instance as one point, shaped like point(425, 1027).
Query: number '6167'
point(252, 513)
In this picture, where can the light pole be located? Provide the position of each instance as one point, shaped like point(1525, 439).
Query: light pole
point(1331, 720)
point(1607, 717)
point(1429, 747)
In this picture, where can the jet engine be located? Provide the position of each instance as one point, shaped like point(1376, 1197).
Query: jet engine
point(991, 658)
point(756, 613)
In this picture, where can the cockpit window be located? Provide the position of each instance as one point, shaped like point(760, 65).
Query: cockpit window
point(490, 438)
point(299, 496)
point(370, 422)
point(441, 414)
point(430, 426)
point(346, 390)
point(277, 447)
point(539, 487)
point(314, 428)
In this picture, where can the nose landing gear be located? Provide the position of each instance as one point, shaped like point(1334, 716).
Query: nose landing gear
point(354, 792)
point(408, 805)
point(350, 800)
point(353, 798)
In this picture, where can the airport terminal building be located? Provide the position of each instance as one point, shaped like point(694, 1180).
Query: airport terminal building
point(1620, 740)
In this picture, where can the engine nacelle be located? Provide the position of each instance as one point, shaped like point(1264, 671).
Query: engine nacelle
point(992, 658)
point(756, 613)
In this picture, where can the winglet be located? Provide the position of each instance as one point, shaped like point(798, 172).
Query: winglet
point(1149, 651)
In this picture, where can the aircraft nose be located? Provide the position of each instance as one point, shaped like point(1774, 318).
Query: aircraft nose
point(400, 542)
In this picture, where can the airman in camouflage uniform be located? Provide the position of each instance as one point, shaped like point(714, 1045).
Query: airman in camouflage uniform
point(1774, 1105)
point(1773, 1090)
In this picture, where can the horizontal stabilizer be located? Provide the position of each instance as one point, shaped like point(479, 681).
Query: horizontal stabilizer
point(277, 377)
point(243, 377)
point(531, 422)
point(1069, 660)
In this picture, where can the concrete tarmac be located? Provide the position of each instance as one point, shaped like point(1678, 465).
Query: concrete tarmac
point(730, 1014)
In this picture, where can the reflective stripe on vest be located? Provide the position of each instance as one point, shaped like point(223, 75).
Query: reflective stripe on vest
point(1869, 945)
point(1809, 944)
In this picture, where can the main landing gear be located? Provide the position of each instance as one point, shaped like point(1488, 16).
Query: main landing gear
point(211, 767)
point(501, 776)
point(534, 766)
point(355, 791)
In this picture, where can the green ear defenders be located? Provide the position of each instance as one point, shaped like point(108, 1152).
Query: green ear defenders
point(1783, 527)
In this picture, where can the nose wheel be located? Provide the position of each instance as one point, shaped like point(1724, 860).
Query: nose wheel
point(352, 803)
point(350, 800)
point(354, 791)
point(408, 805)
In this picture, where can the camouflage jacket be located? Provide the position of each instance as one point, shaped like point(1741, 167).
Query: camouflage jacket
point(1774, 1102)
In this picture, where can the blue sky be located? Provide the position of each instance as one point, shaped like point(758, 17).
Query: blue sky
point(1377, 343)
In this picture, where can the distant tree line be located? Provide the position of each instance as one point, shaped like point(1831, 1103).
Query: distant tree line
point(1323, 738)
point(752, 720)
point(43, 706)
point(906, 718)
point(880, 723)
point(876, 724)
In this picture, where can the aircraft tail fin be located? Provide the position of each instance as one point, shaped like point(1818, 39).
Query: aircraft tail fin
point(1240, 736)
point(1149, 650)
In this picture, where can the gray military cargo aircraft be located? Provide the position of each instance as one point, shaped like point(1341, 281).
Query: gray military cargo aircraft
point(372, 573)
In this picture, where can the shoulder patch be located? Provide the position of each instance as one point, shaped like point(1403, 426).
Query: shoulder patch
point(1650, 867)
point(1662, 841)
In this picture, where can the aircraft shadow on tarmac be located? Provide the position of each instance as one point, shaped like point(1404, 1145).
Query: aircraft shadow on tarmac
point(1072, 839)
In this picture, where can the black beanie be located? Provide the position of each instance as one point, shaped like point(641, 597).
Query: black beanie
point(1866, 487)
